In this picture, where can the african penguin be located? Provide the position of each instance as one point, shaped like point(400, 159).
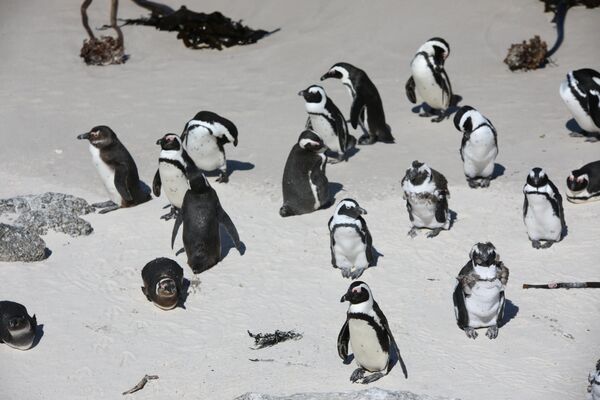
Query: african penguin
point(479, 146)
point(204, 138)
point(17, 328)
point(426, 193)
point(116, 169)
point(367, 108)
point(350, 240)
point(304, 184)
point(581, 93)
point(201, 214)
point(543, 212)
point(327, 121)
point(429, 77)
point(163, 282)
point(594, 380)
point(368, 332)
point(479, 292)
point(583, 185)
point(170, 175)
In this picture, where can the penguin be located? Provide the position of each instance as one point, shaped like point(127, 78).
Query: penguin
point(367, 108)
point(543, 212)
point(304, 184)
point(594, 380)
point(350, 240)
point(583, 185)
point(116, 169)
point(204, 138)
point(163, 283)
point(479, 292)
point(581, 93)
point(201, 214)
point(327, 121)
point(17, 328)
point(479, 146)
point(429, 78)
point(368, 332)
point(170, 175)
point(426, 193)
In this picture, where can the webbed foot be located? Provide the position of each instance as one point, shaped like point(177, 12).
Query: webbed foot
point(492, 332)
point(471, 332)
point(367, 139)
point(372, 378)
point(223, 177)
point(172, 214)
point(536, 244)
point(106, 206)
point(358, 373)
point(434, 232)
point(413, 232)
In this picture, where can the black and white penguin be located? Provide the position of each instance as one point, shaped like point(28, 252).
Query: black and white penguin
point(426, 193)
point(116, 169)
point(479, 146)
point(429, 77)
point(581, 93)
point(304, 184)
point(594, 381)
point(367, 108)
point(17, 328)
point(170, 175)
point(163, 283)
point(542, 210)
point(350, 240)
point(327, 121)
point(201, 214)
point(583, 185)
point(479, 291)
point(368, 332)
point(204, 138)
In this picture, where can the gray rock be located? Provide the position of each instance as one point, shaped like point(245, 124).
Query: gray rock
point(18, 244)
point(366, 394)
point(40, 213)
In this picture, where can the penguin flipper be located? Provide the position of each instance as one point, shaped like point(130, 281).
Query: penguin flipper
point(331, 243)
point(342, 341)
point(393, 345)
point(593, 100)
point(355, 110)
point(121, 182)
point(410, 90)
point(460, 309)
point(224, 219)
point(500, 316)
point(308, 124)
point(156, 184)
point(176, 226)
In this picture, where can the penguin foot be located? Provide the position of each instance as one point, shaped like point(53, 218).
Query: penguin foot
point(285, 211)
point(335, 160)
point(492, 332)
point(357, 273)
point(172, 214)
point(345, 272)
point(434, 232)
point(223, 177)
point(484, 183)
point(440, 118)
point(367, 139)
point(372, 378)
point(181, 250)
point(473, 184)
point(413, 232)
point(536, 244)
point(471, 332)
point(358, 373)
point(109, 209)
point(104, 204)
point(546, 244)
point(195, 284)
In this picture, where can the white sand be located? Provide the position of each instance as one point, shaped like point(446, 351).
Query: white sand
point(101, 335)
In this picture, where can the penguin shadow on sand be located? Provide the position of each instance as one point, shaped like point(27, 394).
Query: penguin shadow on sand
point(576, 131)
point(39, 333)
point(429, 112)
point(510, 312)
point(499, 170)
point(185, 292)
point(227, 243)
point(334, 188)
point(232, 166)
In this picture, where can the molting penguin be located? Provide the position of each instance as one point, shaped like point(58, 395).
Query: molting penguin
point(163, 282)
point(204, 138)
point(327, 121)
point(583, 185)
point(201, 214)
point(542, 210)
point(429, 77)
point(479, 146)
point(594, 380)
point(581, 93)
point(368, 332)
point(367, 108)
point(304, 185)
point(426, 193)
point(479, 291)
point(351, 243)
point(17, 328)
point(116, 169)
point(170, 175)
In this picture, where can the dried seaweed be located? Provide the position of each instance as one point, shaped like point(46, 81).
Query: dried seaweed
point(103, 51)
point(526, 55)
point(262, 340)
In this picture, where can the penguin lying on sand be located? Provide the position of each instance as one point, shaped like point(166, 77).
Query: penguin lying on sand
point(583, 185)
point(163, 282)
point(17, 328)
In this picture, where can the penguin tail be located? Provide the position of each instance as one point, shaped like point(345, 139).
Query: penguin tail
point(286, 211)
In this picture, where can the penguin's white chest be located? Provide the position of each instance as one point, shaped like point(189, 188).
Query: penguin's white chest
point(423, 211)
point(204, 150)
point(348, 242)
point(540, 220)
point(581, 116)
point(365, 346)
point(479, 153)
point(484, 303)
point(426, 86)
point(107, 174)
point(322, 126)
point(174, 183)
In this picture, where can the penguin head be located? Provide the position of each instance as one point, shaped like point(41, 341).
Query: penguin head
point(99, 136)
point(310, 141)
point(483, 254)
point(18, 323)
point(350, 208)
point(169, 142)
point(418, 173)
point(314, 94)
point(358, 293)
point(463, 120)
point(437, 48)
point(339, 70)
point(577, 182)
point(166, 294)
point(537, 177)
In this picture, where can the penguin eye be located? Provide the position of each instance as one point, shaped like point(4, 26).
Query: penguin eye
point(580, 179)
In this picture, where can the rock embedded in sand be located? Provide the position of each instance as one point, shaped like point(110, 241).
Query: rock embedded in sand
point(18, 244)
point(367, 394)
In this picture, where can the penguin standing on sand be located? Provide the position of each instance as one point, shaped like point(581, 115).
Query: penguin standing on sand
point(426, 193)
point(594, 380)
point(367, 108)
point(581, 93)
point(583, 185)
point(17, 328)
point(204, 138)
point(351, 242)
point(163, 282)
point(116, 169)
point(543, 212)
point(429, 78)
point(479, 291)
point(327, 121)
point(304, 184)
point(367, 331)
point(479, 146)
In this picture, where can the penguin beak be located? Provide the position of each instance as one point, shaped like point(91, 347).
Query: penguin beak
point(344, 298)
point(362, 211)
point(159, 141)
point(301, 93)
point(326, 75)
point(84, 136)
